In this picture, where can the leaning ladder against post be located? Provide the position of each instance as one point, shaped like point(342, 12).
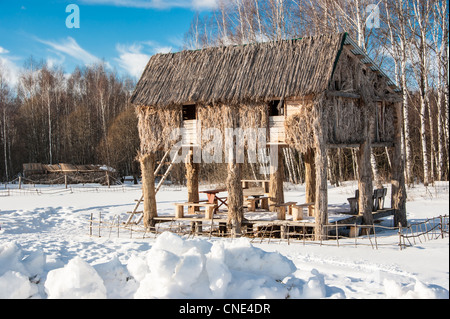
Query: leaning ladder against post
point(163, 178)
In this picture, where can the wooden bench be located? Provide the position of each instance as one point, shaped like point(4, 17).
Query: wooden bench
point(209, 209)
point(378, 197)
point(298, 211)
point(281, 209)
point(264, 203)
point(353, 201)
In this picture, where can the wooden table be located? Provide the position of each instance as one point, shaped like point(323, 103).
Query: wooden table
point(214, 199)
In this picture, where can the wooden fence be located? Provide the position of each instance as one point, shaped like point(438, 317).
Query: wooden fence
point(338, 234)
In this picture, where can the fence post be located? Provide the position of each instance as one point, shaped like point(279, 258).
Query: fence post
point(118, 225)
point(90, 226)
point(337, 234)
point(375, 236)
point(400, 235)
point(99, 223)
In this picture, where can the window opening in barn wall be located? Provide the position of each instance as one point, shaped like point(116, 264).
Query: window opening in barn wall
point(276, 108)
point(189, 112)
point(189, 124)
point(276, 121)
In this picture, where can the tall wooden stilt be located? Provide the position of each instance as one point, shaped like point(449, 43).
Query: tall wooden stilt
point(235, 198)
point(192, 170)
point(321, 196)
point(365, 185)
point(398, 189)
point(148, 188)
point(321, 162)
point(365, 173)
point(276, 193)
point(310, 176)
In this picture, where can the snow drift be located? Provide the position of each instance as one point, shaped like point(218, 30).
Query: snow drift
point(176, 267)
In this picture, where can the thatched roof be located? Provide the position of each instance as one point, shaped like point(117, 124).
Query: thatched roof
point(240, 73)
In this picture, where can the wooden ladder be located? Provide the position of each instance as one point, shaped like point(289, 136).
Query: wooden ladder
point(161, 181)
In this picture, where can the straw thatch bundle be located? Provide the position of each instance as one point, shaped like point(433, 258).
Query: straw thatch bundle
point(344, 121)
point(156, 128)
point(222, 116)
point(236, 74)
point(299, 129)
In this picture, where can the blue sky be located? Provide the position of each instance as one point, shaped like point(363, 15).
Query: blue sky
point(123, 33)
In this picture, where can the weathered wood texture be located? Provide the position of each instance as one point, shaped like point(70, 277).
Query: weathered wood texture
point(276, 192)
point(148, 188)
point(398, 189)
point(192, 171)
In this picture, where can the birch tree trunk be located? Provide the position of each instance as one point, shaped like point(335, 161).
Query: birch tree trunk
point(421, 10)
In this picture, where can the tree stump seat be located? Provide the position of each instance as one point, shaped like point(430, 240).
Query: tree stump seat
point(209, 208)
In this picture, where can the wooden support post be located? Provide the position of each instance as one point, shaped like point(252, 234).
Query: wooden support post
point(365, 173)
point(310, 176)
point(148, 188)
point(192, 170)
point(398, 189)
point(235, 197)
point(365, 185)
point(321, 202)
point(276, 193)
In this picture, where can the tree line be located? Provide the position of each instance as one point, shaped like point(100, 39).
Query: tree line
point(81, 118)
point(407, 38)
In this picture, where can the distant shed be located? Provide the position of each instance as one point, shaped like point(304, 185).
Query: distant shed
point(51, 173)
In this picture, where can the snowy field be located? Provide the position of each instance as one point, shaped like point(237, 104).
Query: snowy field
point(46, 252)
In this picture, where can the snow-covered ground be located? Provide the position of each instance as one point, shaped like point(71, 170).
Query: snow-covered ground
point(46, 252)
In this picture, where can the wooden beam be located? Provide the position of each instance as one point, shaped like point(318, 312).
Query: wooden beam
point(382, 144)
point(344, 145)
point(349, 95)
point(357, 145)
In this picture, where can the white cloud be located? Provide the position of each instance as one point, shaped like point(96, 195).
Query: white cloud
point(9, 68)
point(157, 4)
point(71, 48)
point(134, 58)
point(3, 51)
point(131, 59)
point(54, 61)
point(206, 4)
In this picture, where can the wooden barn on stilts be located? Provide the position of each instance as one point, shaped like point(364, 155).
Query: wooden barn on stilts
point(319, 93)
